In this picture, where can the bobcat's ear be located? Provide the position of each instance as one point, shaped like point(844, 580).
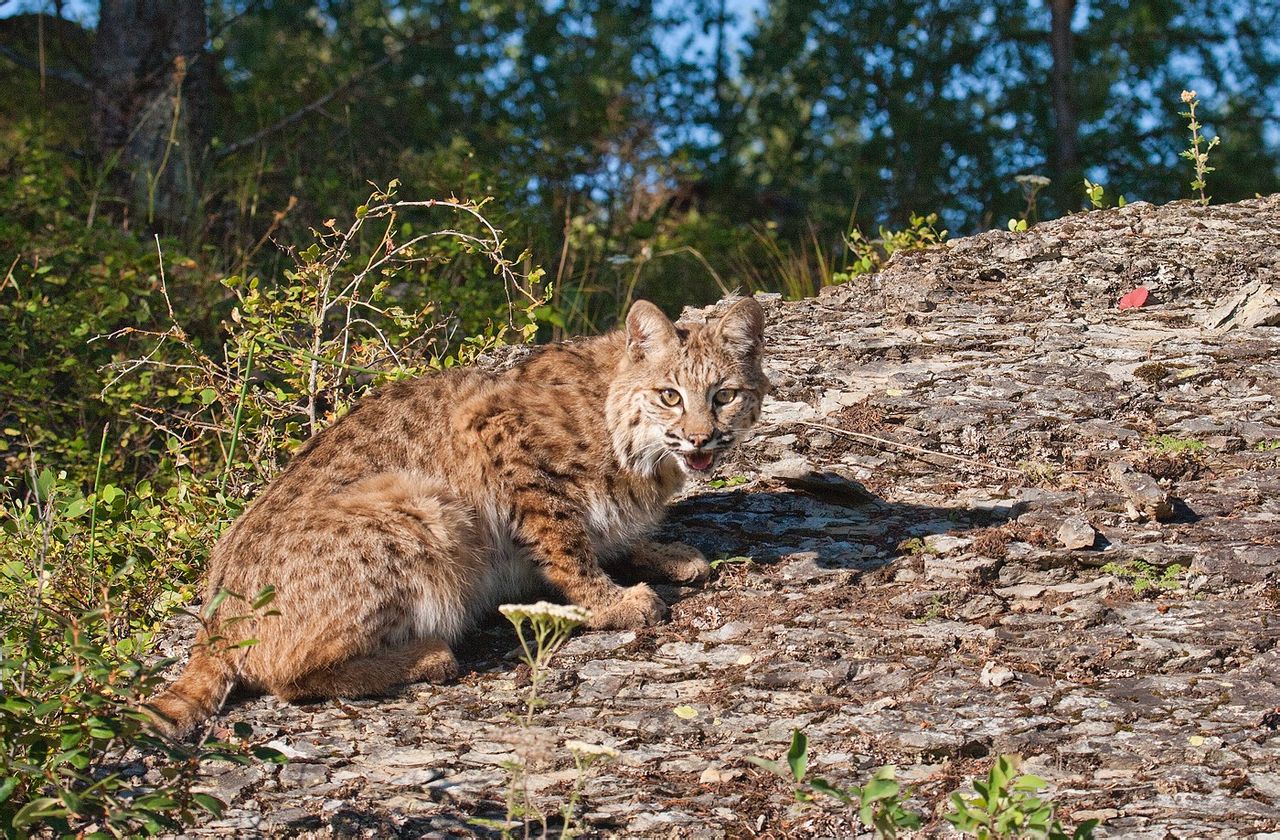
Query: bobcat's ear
point(742, 328)
point(648, 330)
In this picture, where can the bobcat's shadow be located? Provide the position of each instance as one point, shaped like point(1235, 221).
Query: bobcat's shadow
point(841, 523)
point(838, 523)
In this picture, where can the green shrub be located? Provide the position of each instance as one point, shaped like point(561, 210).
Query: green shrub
point(1005, 807)
point(867, 256)
point(877, 804)
point(64, 284)
point(86, 582)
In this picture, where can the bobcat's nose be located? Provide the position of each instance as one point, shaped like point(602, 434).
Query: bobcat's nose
point(698, 440)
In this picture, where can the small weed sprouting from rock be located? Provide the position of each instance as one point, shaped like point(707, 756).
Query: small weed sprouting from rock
point(1041, 473)
point(1172, 458)
point(912, 546)
point(937, 608)
point(585, 756)
point(549, 627)
point(868, 256)
point(1144, 577)
point(732, 560)
point(1005, 807)
point(542, 629)
point(1171, 445)
point(731, 481)
point(1199, 157)
point(876, 804)
point(1031, 187)
point(1097, 196)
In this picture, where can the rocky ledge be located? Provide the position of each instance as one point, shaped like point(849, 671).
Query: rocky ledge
point(988, 512)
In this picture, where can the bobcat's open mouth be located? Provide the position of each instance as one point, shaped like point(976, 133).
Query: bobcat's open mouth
point(698, 461)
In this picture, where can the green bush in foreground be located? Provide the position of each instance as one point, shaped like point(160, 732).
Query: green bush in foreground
point(84, 583)
point(1004, 805)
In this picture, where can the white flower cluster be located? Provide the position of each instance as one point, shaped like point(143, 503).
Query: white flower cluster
point(1038, 181)
point(544, 609)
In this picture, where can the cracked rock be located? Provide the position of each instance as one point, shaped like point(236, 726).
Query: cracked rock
point(1144, 498)
point(1075, 532)
point(996, 675)
point(1256, 305)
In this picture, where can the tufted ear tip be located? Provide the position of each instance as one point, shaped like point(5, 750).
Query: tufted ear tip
point(648, 329)
point(742, 327)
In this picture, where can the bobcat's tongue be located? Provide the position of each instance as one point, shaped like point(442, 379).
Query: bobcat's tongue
point(699, 461)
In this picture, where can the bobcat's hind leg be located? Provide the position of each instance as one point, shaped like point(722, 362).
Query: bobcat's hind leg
point(673, 562)
point(423, 660)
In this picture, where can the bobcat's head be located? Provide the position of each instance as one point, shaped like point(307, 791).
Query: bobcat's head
point(687, 391)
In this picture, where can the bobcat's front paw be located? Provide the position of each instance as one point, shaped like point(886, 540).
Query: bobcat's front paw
point(674, 562)
point(692, 571)
point(637, 606)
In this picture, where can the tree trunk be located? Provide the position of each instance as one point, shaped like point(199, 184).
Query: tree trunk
point(151, 120)
point(1065, 119)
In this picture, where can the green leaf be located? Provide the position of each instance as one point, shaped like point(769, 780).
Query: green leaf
point(44, 484)
point(212, 804)
point(216, 601)
point(37, 809)
point(798, 755)
point(771, 766)
point(270, 755)
point(826, 788)
point(878, 789)
point(70, 800)
point(264, 597)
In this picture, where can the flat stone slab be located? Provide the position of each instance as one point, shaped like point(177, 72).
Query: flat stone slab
point(906, 600)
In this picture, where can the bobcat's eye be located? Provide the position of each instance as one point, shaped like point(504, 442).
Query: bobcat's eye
point(725, 396)
point(669, 397)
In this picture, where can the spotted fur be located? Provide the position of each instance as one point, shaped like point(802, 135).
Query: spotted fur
point(394, 530)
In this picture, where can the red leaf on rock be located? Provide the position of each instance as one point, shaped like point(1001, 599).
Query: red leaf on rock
point(1135, 298)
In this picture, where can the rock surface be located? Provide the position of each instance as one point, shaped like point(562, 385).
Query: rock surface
point(1076, 532)
point(890, 580)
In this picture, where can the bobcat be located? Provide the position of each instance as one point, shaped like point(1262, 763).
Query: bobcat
point(434, 500)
